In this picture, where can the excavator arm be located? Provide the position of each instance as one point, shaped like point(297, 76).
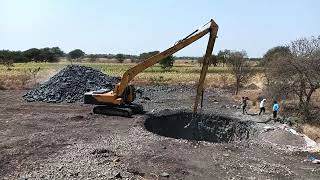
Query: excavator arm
point(205, 65)
point(123, 93)
point(131, 73)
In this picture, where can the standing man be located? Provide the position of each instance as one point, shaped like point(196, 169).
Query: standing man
point(244, 105)
point(262, 108)
point(275, 109)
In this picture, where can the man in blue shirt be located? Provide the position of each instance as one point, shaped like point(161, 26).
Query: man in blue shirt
point(275, 109)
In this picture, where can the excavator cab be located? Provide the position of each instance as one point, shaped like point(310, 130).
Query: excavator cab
point(106, 96)
point(119, 101)
point(122, 107)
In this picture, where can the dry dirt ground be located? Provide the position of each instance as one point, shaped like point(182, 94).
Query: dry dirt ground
point(65, 141)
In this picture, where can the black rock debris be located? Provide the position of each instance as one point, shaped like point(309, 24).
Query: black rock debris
point(70, 84)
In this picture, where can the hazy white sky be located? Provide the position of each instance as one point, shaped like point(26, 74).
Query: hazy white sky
point(133, 27)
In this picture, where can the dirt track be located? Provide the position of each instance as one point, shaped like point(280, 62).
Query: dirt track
point(65, 141)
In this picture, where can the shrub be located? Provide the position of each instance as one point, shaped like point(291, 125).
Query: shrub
point(120, 58)
point(167, 62)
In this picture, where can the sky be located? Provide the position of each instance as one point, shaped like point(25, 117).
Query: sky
point(134, 27)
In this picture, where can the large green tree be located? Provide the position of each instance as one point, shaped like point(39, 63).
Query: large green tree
point(32, 54)
point(6, 58)
point(57, 52)
point(47, 55)
point(43, 55)
point(120, 58)
point(275, 54)
point(75, 54)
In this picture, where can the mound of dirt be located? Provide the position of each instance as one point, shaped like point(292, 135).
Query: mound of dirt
point(282, 137)
point(70, 84)
point(252, 86)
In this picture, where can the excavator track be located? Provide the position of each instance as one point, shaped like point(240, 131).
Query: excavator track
point(121, 110)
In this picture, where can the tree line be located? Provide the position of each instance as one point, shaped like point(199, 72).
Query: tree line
point(54, 54)
point(33, 54)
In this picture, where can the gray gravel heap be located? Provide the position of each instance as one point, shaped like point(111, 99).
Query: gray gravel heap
point(70, 84)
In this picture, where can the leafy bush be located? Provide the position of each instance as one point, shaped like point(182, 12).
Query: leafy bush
point(120, 58)
point(167, 62)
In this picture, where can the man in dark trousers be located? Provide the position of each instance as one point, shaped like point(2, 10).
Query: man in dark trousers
point(275, 109)
point(244, 105)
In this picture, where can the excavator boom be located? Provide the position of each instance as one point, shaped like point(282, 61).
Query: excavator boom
point(132, 72)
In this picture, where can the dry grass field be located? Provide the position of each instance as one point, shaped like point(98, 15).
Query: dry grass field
point(21, 77)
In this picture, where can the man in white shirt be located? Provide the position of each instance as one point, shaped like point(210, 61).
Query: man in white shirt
point(262, 108)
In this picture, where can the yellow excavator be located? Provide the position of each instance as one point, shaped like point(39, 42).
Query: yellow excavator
point(119, 100)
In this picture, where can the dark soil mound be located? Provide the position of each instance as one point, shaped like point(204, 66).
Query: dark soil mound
point(204, 127)
point(70, 84)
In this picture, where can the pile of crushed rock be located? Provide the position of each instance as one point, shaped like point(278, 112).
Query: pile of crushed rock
point(70, 84)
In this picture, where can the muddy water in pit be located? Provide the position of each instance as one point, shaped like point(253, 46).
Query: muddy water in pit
point(204, 127)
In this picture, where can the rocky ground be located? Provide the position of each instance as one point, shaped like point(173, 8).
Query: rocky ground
point(65, 141)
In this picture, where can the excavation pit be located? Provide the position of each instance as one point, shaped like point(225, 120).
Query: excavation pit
point(203, 127)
